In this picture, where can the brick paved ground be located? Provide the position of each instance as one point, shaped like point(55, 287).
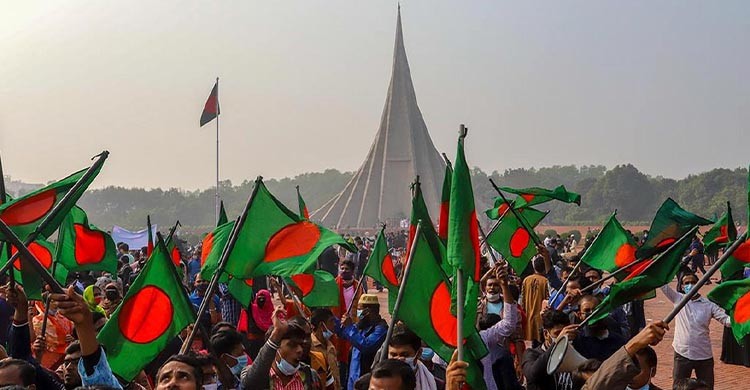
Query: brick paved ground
point(727, 376)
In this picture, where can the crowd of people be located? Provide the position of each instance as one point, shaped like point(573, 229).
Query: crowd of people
point(274, 342)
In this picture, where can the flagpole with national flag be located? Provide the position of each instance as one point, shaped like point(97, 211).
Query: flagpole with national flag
point(211, 111)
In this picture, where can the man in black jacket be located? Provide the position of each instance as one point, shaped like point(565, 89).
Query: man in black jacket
point(555, 324)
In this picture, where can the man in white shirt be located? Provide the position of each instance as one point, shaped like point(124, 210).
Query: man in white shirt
point(692, 341)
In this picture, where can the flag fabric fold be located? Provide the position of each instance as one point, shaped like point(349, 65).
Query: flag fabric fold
point(318, 289)
point(670, 223)
point(535, 195)
point(734, 297)
point(445, 198)
point(512, 239)
point(82, 246)
point(303, 212)
point(380, 268)
point(419, 212)
point(721, 233)
point(612, 248)
point(222, 215)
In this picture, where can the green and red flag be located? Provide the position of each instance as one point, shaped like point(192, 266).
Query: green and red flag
point(274, 240)
point(656, 273)
point(212, 247)
point(380, 267)
point(150, 244)
point(535, 195)
point(513, 241)
point(82, 246)
point(721, 233)
point(445, 198)
point(222, 215)
point(612, 248)
point(174, 250)
point(318, 289)
point(741, 256)
point(44, 251)
point(734, 297)
point(463, 238)
point(211, 108)
point(670, 223)
point(242, 291)
point(154, 311)
point(499, 208)
point(24, 214)
point(426, 310)
point(303, 212)
point(419, 213)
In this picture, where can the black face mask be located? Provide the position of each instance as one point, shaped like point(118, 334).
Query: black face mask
point(202, 287)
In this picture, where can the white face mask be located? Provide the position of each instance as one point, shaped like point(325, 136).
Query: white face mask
point(285, 367)
point(646, 387)
point(493, 297)
point(211, 386)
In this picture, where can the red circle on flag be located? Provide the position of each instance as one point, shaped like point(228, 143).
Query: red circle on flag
point(40, 252)
point(638, 269)
point(474, 237)
point(518, 242)
point(528, 197)
point(443, 322)
point(387, 269)
point(742, 309)
point(90, 245)
point(625, 255)
point(742, 253)
point(145, 316)
point(249, 282)
point(305, 282)
point(208, 243)
point(502, 209)
point(292, 240)
point(29, 210)
point(666, 242)
point(176, 256)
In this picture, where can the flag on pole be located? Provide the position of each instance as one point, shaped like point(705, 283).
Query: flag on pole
point(535, 195)
point(211, 108)
point(82, 246)
point(150, 244)
point(222, 215)
point(734, 297)
point(380, 267)
point(318, 289)
point(512, 239)
point(302, 206)
point(153, 312)
point(741, 256)
point(612, 248)
point(32, 283)
point(721, 233)
point(173, 249)
point(445, 198)
point(670, 223)
point(419, 212)
point(24, 214)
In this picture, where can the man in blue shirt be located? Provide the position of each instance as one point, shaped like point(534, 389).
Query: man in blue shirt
point(366, 336)
point(196, 298)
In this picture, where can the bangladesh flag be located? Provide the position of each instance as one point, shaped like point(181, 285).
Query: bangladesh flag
point(24, 214)
point(82, 246)
point(512, 239)
point(739, 259)
point(445, 197)
point(463, 238)
point(318, 289)
point(211, 108)
point(173, 249)
point(535, 195)
point(242, 291)
point(150, 244)
point(153, 312)
point(273, 240)
point(212, 247)
point(499, 209)
point(31, 281)
point(302, 206)
point(654, 274)
point(380, 267)
point(426, 310)
point(612, 248)
point(734, 297)
point(222, 215)
point(721, 233)
point(419, 212)
point(670, 223)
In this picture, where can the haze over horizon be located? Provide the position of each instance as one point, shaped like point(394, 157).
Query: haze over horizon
point(660, 85)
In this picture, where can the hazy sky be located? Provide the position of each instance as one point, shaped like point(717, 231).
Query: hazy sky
point(661, 84)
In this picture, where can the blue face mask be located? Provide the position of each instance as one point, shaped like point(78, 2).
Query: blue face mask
point(646, 387)
point(241, 363)
point(427, 353)
point(686, 288)
point(327, 333)
point(285, 367)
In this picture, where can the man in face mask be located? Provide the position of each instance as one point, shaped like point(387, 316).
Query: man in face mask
point(492, 301)
point(228, 347)
point(324, 324)
point(196, 298)
point(647, 361)
point(555, 324)
point(692, 338)
point(366, 336)
point(406, 346)
point(599, 340)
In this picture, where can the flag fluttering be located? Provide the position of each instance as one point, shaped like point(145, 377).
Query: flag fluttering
point(82, 246)
point(612, 248)
point(211, 108)
point(535, 195)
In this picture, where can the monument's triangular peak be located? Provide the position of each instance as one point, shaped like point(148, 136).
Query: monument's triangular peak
point(379, 191)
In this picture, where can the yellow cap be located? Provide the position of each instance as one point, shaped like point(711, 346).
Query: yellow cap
point(368, 299)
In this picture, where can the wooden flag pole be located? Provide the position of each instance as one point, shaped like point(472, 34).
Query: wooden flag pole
point(705, 278)
point(400, 296)
point(100, 158)
point(214, 283)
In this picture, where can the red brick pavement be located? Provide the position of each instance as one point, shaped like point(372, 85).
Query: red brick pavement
point(727, 376)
